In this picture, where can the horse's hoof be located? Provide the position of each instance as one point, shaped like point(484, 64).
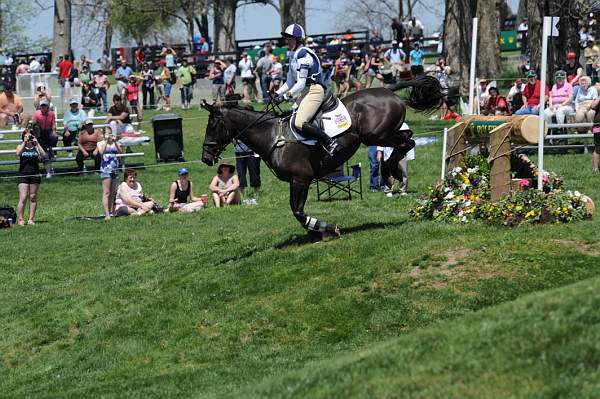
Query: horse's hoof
point(315, 236)
point(333, 230)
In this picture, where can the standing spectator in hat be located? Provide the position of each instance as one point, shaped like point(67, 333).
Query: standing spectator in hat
point(560, 102)
point(88, 146)
point(573, 69)
point(216, 75)
point(531, 95)
point(591, 52)
point(225, 186)
point(73, 123)
point(247, 160)
point(395, 57)
point(181, 194)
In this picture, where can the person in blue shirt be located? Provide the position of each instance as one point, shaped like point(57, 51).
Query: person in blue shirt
point(73, 121)
point(416, 56)
point(122, 77)
point(305, 85)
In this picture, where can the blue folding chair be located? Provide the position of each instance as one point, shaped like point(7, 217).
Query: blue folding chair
point(340, 184)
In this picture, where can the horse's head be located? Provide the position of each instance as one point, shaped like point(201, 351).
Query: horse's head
point(216, 137)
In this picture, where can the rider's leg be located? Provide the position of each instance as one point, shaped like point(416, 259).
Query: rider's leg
point(306, 110)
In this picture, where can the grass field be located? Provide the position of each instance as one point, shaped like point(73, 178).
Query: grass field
point(236, 303)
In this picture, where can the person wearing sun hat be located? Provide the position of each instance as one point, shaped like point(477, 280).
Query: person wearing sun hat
point(560, 101)
point(225, 186)
point(181, 194)
point(531, 95)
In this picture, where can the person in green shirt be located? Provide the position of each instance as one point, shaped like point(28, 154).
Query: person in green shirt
point(186, 74)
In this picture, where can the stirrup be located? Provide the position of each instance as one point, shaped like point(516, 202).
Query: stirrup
point(331, 148)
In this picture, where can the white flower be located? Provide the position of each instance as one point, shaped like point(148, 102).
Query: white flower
point(458, 169)
point(468, 203)
point(449, 196)
point(460, 213)
point(447, 189)
point(577, 194)
point(464, 186)
point(472, 170)
point(464, 219)
point(569, 193)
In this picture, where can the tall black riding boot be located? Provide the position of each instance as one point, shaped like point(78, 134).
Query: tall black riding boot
point(313, 132)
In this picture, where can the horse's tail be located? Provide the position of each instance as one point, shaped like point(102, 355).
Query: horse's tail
point(425, 92)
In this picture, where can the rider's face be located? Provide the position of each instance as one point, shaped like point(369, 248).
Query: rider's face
point(291, 42)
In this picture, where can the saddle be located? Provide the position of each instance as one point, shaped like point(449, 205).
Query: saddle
point(332, 117)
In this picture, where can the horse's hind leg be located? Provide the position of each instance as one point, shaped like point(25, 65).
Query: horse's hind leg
point(316, 228)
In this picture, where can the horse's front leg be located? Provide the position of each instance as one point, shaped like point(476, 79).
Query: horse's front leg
point(316, 228)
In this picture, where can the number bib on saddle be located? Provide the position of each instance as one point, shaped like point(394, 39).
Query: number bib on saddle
point(334, 122)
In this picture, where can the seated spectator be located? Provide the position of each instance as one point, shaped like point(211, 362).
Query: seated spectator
point(88, 143)
point(73, 122)
point(30, 152)
point(85, 76)
point(524, 67)
point(11, 107)
point(515, 95)
point(130, 198)
point(225, 186)
point(573, 69)
point(181, 192)
point(583, 101)
point(560, 102)
point(118, 116)
point(44, 128)
point(89, 99)
point(442, 72)
point(109, 170)
point(446, 113)
point(496, 104)
point(531, 95)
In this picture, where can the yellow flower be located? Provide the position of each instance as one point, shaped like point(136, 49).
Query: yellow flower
point(518, 207)
point(530, 214)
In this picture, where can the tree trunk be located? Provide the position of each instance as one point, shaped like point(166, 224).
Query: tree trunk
point(489, 64)
point(457, 39)
point(62, 28)
point(568, 39)
point(521, 12)
point(202, 24)
point(108, 34)
point(535, 13)
point(410, 9)
point(189, 26)
point(292, 12)
point(400, 10)
point(224, 24)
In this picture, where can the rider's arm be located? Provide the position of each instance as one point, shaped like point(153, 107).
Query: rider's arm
point(305, 62)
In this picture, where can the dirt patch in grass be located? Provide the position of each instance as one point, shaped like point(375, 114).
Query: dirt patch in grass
point(450, 267)
point(581, 246)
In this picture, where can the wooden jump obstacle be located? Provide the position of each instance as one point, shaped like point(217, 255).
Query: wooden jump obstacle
point(499, 132)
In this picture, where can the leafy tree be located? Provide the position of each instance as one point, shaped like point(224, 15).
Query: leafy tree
point(14, 17)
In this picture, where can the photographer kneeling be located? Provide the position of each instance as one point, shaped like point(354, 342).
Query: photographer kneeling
point(29, 152)
point(131, 199)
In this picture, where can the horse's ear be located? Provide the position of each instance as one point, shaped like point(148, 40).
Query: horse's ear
point(207, 106)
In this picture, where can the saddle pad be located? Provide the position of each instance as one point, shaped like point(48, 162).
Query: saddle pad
point(335, 122)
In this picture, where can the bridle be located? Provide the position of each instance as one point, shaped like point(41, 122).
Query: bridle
point(221, 144)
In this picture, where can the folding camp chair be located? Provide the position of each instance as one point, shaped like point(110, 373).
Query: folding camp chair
point(340, 184)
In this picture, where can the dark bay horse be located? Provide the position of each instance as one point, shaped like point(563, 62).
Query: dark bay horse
point(377, 116)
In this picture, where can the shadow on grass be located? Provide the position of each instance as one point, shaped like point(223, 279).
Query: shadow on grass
point(298, 240)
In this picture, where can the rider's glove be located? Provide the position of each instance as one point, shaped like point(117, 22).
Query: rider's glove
point(278, 99)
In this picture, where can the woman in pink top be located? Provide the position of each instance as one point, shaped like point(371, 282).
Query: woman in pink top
point(560, 102)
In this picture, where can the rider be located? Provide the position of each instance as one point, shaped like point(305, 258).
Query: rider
point(305, 84)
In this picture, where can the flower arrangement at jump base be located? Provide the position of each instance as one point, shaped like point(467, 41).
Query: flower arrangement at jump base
point(464, 196)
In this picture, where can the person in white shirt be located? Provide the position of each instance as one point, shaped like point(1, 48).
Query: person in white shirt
point(246, 67)
point(229, 77)
point(584, 112)
point(395, 57)
point(34, 66)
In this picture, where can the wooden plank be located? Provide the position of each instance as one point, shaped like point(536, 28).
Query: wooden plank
point(499, 160)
